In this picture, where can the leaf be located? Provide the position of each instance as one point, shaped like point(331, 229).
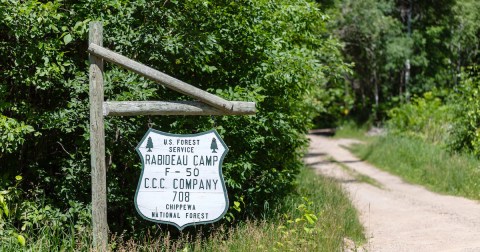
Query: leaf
point(310, 218)
point(67, 38)
point(77, 24)
point(18, 177)
point(21, 240)
point(5, 209)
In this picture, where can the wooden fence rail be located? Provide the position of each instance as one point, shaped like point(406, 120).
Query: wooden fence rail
point(130, 108)
point(162, 78)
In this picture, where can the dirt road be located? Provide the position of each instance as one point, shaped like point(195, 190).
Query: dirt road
point(397, 216)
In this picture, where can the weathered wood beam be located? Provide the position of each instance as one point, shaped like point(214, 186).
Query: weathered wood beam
point(131, 108)
point(160, 77)
point(97, 144)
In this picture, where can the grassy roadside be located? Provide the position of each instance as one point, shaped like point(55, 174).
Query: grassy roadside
point(316, 217)
point(352, 130)
point(292, 230)
point(422, 163)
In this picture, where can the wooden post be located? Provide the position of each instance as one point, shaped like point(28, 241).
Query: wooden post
point(97, 143)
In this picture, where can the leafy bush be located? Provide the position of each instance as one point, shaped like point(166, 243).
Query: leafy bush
point(12, 134)
point(427, 118)
point(8, 211)
point(277, 53)
point(466, 133)
point(21, 218)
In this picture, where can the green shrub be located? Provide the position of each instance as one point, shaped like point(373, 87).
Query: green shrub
point(12, 134)
point(427, 118)
point(277, 53)
point(466, 133)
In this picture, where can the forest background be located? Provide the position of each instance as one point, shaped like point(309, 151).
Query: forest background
point(411, 66)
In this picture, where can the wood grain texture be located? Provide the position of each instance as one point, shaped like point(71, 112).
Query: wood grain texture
point(132, 108)
point(160, 77)
point(97, 143)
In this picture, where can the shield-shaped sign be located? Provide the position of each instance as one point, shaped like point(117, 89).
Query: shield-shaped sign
point(181, 182)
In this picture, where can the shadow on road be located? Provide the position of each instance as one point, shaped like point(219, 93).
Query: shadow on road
point(323, 132)
point(315, 154)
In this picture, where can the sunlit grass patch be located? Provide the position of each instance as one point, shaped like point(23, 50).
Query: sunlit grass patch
point(317, 217)
point(353, 130)
point(423, 163)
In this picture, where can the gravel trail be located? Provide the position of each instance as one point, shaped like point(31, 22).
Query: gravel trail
point(397, 216)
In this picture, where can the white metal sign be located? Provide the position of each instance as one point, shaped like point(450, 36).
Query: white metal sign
point(181, 182)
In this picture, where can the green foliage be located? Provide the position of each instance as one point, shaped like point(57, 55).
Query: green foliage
point(12, 134)
point(306, 220)
point(316, 217)
point(9, 211)
point(405, 48)
point(276, 53)
point(21, 219)
point(427, 118)
point(375, 43)
point(466, 133)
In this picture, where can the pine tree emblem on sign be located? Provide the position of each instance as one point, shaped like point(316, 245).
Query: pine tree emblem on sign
point(181, 182)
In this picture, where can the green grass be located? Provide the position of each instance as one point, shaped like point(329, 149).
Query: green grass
point(316, 217)
point(423, 163)
point(48, 240)
point(352, 130)
point(357, 176)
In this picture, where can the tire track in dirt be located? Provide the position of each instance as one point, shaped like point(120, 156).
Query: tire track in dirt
point(398, 216)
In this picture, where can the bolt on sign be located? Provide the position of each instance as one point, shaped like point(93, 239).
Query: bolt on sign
point(181, 182)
